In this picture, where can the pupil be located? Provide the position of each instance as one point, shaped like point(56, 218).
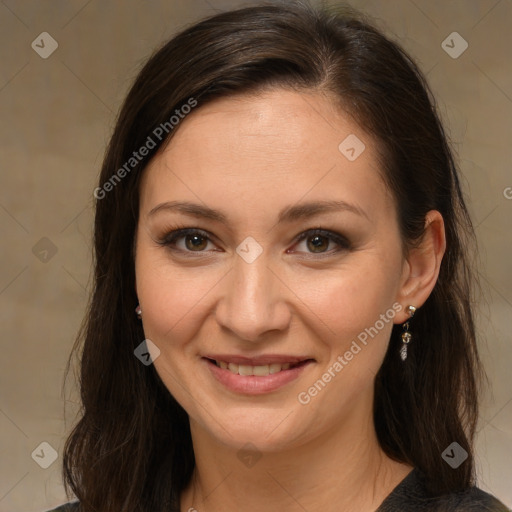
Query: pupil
point(317, 242)
point(194, 241)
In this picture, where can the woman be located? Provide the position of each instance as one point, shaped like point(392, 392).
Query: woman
point(281, 317)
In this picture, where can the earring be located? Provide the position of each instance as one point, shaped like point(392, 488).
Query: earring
point(138, 312)
point(406, 335)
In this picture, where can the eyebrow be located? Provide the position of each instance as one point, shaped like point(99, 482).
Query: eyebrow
point(289, 214)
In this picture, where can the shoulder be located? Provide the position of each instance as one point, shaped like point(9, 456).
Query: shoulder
point(411, 494)
point(67, 507)
point(474, 500)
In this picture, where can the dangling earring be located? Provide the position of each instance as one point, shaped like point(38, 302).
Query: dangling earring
point(406, 335)
point(138, 312)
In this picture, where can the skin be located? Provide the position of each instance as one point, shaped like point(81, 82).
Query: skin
point(250, 156)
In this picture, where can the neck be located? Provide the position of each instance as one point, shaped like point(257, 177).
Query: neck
point(344, 469)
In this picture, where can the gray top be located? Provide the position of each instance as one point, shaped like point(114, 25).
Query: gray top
point(410, 496)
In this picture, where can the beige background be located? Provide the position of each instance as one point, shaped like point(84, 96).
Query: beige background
point(57, 114)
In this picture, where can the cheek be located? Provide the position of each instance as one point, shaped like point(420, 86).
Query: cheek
point(171, 304)
point(350, 305)
point(351, 299)
point(170, 297)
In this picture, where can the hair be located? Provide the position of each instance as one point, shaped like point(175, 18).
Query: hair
point(131, 449)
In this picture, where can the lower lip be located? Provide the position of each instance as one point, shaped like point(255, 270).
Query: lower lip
point(255, 385)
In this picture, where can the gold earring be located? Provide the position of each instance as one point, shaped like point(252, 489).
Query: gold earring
point(406, 335)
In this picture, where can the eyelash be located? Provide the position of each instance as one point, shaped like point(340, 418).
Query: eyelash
point(170, 239)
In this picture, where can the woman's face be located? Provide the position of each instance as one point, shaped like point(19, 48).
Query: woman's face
point(302, 318)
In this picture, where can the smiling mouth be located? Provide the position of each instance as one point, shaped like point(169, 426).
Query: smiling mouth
point(258, 371)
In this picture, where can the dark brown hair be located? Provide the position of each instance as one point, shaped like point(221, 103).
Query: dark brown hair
point(131, 450)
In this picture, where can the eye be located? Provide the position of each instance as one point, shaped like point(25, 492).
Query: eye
point(194, 240)
point(318, 241)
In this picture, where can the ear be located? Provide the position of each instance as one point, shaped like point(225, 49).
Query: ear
point(421, 268)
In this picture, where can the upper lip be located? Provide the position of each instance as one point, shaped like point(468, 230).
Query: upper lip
point(257, 360)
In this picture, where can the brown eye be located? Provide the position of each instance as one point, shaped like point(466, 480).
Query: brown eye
point(196, 242)
point(317, 243)
point(187, 240)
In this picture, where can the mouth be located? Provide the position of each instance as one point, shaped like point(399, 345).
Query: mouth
point(260, 370)
point(255, 376)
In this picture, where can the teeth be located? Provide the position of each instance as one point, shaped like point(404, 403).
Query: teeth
point(274, 368)
point(260, 371)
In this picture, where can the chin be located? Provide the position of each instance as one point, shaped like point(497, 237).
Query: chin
point(269, 429)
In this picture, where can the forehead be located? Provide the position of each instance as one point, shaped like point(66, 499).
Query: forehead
point(268, 148)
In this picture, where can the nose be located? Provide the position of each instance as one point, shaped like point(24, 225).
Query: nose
point(253, 301)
